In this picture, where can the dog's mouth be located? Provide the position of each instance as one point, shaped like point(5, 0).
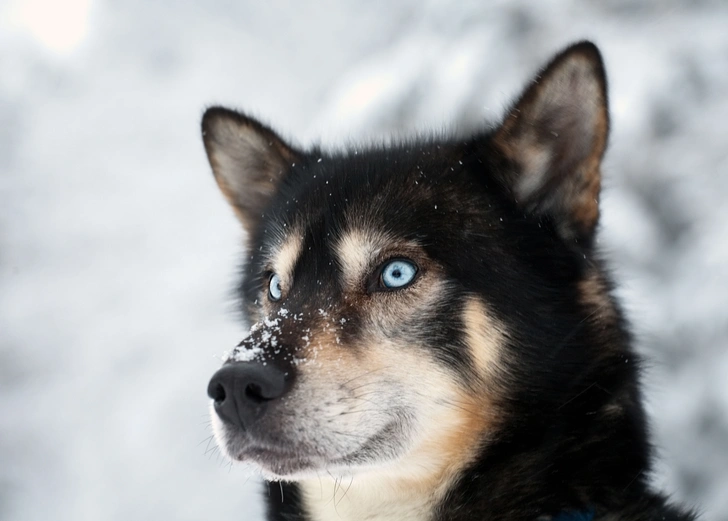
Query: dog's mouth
point(281, 463)
point(289, 460)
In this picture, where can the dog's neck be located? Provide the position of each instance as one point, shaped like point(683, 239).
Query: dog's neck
point(370, 496)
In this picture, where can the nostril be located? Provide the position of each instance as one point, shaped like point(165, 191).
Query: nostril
point(216, 389)
point(217, 393)
point(254, 392)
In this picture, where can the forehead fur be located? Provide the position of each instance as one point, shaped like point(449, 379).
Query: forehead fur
point(368, 188)
point(340, 210)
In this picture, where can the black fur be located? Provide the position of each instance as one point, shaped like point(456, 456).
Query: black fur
point(575, 435)
point(559, 451)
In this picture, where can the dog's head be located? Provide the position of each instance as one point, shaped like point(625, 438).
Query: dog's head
point(412, 302)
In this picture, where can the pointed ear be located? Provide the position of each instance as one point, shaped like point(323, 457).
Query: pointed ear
point(553, 140)
point(247, 158)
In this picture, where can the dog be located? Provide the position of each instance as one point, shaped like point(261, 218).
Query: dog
point(434, 335)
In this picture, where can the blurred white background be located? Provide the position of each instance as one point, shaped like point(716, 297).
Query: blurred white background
point(117, 253)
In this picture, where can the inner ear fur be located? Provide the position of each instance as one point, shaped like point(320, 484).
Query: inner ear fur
point(553, 140)
point(248, 160)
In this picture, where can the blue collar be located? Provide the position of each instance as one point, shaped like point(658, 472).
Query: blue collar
point(575, 515)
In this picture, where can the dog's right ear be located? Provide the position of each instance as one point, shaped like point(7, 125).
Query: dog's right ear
point(248, 160)
point(554, 138)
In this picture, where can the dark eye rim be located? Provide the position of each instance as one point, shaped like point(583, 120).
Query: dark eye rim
point(375, 284)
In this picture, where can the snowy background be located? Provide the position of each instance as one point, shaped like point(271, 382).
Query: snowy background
point(117, 252)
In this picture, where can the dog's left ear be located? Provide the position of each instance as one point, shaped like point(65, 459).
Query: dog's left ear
point(553, 140)
point(248, 160)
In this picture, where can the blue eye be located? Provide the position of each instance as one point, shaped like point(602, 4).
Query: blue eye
point(398, 273)
point(274, 287)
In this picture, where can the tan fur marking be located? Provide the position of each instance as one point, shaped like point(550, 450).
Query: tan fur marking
point(286, 256)
point(595, 295)
point(485, 338)
point(462, 430)
point(355, 250)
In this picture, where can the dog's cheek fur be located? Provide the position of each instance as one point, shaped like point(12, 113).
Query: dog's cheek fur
point(451, 416)
point(447, 426)
point(486, 340)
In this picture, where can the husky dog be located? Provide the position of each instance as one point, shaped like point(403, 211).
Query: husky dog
point(434, 336)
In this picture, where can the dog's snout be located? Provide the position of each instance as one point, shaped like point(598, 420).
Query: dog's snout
point(241, 391)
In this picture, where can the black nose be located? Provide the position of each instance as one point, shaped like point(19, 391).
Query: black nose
point(243, 390)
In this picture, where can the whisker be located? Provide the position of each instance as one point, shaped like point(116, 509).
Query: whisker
point(357, 411)
point(211, 451)
point(347, 489)
point(351, 435)
point(567, 402)
point(206, 440)
point(364, 374)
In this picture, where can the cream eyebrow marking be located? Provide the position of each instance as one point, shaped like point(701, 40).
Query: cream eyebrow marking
point(284, 257)
point(355, 251)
